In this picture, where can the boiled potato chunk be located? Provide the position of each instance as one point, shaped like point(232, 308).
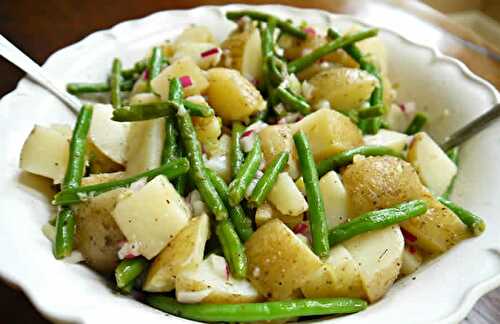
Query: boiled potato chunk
point(334, 198)
point(329, 132)
point(339, 277)
point(108, 136)
point(286, 197)
point(343, 88)
point(144, 98)
point(182, 67)
point(434, 167)
point(97, 235)
point(379, 257)
point(232, 96)
point(382, 182)
point(145, 145)
point(211, 282)
point(394, 140)
point(184, 252)
point(279, 263)
point(266, 212)
point(102, 178)
point(152, 216)
point(275, 139)
point(412, 260)
point(195, 34)
point(46, 152)
point(243, 48)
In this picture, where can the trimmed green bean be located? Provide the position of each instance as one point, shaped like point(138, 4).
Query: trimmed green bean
point(233, 249)
point(266, 183)
point(417, 124)
point(309, 59)
point(285, 26)
point(236, 154)
point(171, 170)
point(316, 212)
point(453, 154)
point(472, 221)
point(248, 170)
point(370, 125)
point(257, 311)
point(370, 112)
point(375, 220)
point(193, 151)
point(65, 222)
point(157, 110)
point(115, 81)
point(78, 88)
point(128, 270)
point(154, 64)
point(241, 222)
point(170, 147)
point(293, 101)
point(342, 159)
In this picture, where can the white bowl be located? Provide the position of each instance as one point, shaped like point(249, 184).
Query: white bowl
point(443, 291)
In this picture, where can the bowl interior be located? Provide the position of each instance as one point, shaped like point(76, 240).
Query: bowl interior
point(436, 84)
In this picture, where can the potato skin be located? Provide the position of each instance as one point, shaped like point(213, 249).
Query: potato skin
point(381, 182)
point(97, 235)
point(278, 262)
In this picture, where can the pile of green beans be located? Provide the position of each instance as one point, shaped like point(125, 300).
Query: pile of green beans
point(257, 311)
point(65, 221)
point(376, 220)
point(128, 270)
point(159, 109)
point(236, 154)
point(75, 195)
point(316, 212)
point(266, 183)
point(417, 124)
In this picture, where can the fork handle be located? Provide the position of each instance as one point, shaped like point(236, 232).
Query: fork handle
point(35, 72)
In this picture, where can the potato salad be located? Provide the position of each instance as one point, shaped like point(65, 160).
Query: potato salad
point(272, 175)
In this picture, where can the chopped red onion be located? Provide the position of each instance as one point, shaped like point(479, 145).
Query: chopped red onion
point(210, 52)
point(412, 250)
point(247, 133)
point(301, 228)
point(186, 81)
point(409, 237)
point(310, 31)
point(145, 74)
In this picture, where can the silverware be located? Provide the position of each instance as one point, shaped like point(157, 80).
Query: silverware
point(35, 72)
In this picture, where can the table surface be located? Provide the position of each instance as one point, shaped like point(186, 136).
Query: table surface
point(49, 25)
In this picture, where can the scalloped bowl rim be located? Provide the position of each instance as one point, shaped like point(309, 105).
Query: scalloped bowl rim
point(471, 296)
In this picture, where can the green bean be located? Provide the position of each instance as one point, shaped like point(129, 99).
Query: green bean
point(309, 59)
point(251, 312)
point(115, 81)
point(128, 270)
point(78, 148)
point(417, 124)
point(65, 232)
point(266, 183)
point(233, 249)
point(193, 151)
point(370, 125)
point(136, 70)
point(293, 101)
point(65, 222)
point(241, 223)
point(342, 159)
point(248, 170)
point(170, 147)
point(316, 212)
point(453, 154)
point(154, 64)
point(182, 182)
point(377, 219)
point(285, 27)
point(78, 88)
point(370, 112)
point(75, 195)
point(236, 154)
point(157, 110)
point(472, 221)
